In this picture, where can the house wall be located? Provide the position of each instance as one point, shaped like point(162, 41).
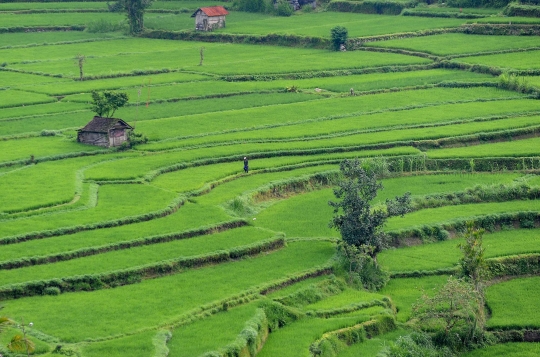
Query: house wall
point(117, 137)
point(99, 139)
point(205, 23)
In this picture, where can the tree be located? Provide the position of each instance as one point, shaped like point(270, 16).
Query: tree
point(135, 13)
point(105, 104)
point(80, 62)
point(473, 263)
point(354, 217)
point(455, 315)
point(362, 269)
point(339, 36)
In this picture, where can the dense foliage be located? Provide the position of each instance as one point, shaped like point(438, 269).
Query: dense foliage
point(339, 35)
point(106, 103)
point(354, 217)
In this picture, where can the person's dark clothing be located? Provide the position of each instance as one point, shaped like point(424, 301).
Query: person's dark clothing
point(246, 166)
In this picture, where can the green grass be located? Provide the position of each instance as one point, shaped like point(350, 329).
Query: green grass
point(233, 189)
point(354, 140)
point(313, 24)
point(513, 304)
point(294, 340)
point(406, 291)
point(53, 6)
point(13, 98)
point(22, 149)
point(525, 147)
point(446, 254)
point(129, 308)
point(138, 256)
point(449, 213)
point(403, 135)
point(293, 288)
point(144, 82)
point(445, 44)
point(29, 81)
point(534, 181)
point(505, 20)
point(374, 345)
point(512, 349)
point(310, 218)
point(114, 202)
point(518, 60)
point(338, 84)
point(41, 185)
point(211, 333)
point(533, 81)
point(220, 58)
point(188, 217)
point(49, 38)
point(138, 345)
point(35, 110)
point(195, 178)
point(345, 298)
point(440, 115)
point(288, 114)
point(40, 346)
point(77, 119)
point(61, 19)
point(435, 8)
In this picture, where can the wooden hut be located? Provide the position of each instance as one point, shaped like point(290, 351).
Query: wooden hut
point(210, 18)
point(104, 132)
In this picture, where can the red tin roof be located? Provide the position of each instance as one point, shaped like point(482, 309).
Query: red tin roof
point(213, 11)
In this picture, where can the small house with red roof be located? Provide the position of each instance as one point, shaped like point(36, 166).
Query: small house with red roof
point(210, 18)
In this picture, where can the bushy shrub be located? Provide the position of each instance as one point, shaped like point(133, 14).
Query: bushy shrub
point(47, 133)
point(134, 139)
point(361, 269)
point(307, 8)
point(279, 315)
point(102, 25)
point(250, 5)
point(414, 345)
point(478, 3)
point(339, 35)
point(454, 317)
point(512, 81)
point(52, 290)
point(284, 8)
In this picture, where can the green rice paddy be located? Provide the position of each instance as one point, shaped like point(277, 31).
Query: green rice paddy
point(74, 211)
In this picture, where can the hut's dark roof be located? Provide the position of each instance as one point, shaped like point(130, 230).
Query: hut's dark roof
point(212, 11)
point(103, 125)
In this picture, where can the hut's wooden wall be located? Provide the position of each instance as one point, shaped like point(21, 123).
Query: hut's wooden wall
point(99, 139)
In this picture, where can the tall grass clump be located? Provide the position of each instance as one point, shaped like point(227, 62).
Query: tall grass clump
point(103, 25)
point(514, 82)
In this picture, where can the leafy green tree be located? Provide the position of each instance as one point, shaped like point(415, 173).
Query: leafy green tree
point(339, 35)
point(135, 13)
point(106, 103)
point(354, 217)
point(454, 316)
point(473, 263)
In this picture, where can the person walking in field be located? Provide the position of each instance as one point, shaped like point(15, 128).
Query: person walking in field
point(246, 166)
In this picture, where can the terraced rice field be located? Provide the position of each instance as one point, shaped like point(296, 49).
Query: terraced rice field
point(169, 249)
